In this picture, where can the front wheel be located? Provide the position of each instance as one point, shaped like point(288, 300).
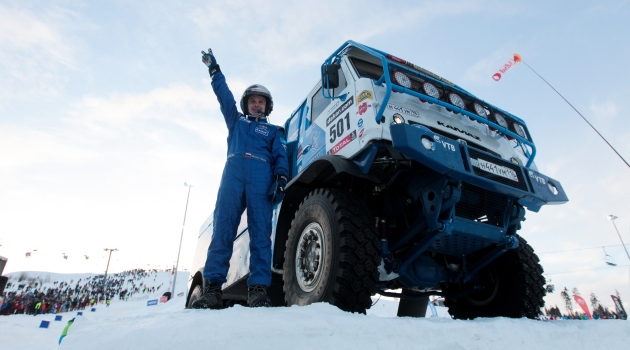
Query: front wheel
point(514, 288)
point(331, 252)
point(194, 296)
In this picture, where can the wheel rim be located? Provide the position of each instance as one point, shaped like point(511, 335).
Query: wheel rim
point(486, 296)
point(309, 257)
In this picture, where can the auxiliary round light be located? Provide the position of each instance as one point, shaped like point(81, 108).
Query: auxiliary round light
point(431, 90)
point(402, 79)
point(553, 188)
point(456, 100)
point(428, 144)
point(501, 120)
point(398, 119)
point(520, 130)
point(480, 110)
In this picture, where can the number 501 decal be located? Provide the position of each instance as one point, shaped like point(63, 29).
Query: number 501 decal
point(337, 129)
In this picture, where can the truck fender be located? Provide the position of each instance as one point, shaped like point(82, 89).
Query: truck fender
point(323, 172)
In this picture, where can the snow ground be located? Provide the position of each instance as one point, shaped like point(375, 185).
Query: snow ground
point(134, 325)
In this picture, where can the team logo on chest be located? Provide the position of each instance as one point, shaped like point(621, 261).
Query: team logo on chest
point(261, 129)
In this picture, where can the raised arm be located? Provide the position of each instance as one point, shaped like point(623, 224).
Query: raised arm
point(221, 90)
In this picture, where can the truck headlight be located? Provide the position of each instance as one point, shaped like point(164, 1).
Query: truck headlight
point(398, 119)
point(428, 143)
point(552, 188)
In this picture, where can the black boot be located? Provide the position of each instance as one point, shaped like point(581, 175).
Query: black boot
point(257, 296)
point(211, 298)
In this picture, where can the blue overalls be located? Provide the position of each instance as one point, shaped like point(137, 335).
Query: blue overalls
point(256, 154)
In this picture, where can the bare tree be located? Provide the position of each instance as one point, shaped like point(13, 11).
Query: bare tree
point(567, 300)
point(595, 303)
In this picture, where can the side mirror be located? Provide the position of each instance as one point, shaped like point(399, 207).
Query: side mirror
point(330, 76)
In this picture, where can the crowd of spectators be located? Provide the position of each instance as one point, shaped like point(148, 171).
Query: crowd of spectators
point(30, 296)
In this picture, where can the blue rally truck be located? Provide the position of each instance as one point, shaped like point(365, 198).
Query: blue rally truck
point(402, 184)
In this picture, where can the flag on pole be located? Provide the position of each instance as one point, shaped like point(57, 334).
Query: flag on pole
point(513, 61)
point(582, 303)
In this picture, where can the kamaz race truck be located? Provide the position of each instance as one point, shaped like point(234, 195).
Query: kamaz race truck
point(402, 184)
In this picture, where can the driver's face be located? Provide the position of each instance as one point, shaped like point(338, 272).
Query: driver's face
point(255, 104)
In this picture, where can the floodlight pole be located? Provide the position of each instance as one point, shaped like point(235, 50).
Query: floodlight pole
point(612, 218)
point(180, 242)
point(107, 269)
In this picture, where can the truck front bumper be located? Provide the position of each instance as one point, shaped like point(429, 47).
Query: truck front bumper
point(460, 162)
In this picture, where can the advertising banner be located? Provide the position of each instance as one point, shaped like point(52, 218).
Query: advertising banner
point(513, 61)
point(152, 302)
point(622, 312)
point(583, 305)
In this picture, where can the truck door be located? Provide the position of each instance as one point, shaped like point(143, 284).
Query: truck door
point(320, 119)
point(292, 127)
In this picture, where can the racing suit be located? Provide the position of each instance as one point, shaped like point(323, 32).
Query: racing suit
point(256, 155)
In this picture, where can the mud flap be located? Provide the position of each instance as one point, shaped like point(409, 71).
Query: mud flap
point(412, 307)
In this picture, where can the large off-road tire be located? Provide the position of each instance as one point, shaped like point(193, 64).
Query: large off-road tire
point(514, 288)
point(331, 252)
point(194, 296)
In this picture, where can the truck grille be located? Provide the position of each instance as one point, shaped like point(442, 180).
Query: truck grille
point(454, 137)
point(508, 169)
point(481, 205)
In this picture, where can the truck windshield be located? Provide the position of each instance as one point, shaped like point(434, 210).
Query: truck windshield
point(367, 69)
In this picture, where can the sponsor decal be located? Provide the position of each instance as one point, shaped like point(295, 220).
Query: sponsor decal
point(333, 106)
point(363, 108)
point(538, 179)
point(349, 102)
point(459, 130)
point(499, 170)
point(364, 95)
point(360, 123)
point(243, 119)
point(339, 128)
point(361, 132)
point(152, 302)
point(262, 131)
point(402, 110)
point(513, 61)
point(449, 146)
point(343, 143)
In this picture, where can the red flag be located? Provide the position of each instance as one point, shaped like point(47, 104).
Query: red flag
point(513, 61)
point(582, 303)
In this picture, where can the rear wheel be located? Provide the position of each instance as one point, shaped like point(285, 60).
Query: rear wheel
point(514, 287)
point(332, 252)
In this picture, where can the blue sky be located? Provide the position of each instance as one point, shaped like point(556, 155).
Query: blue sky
point(106, 109)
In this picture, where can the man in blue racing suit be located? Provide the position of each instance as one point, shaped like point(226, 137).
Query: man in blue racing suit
point(254, 177)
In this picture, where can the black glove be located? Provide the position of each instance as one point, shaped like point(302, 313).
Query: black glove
point(276, 193)
point(209, 60)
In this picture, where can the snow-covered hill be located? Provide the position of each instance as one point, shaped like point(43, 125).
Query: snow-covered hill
point(134, 325)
